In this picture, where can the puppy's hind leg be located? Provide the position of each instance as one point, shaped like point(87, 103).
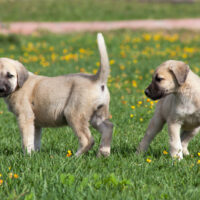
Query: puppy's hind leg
point(105, 127)
point(155, 126)
point(80, 125)
point(186, 136)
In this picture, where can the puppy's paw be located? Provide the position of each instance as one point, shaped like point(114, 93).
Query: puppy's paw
point(178, 155)
point(186, 152)
point(104, 151)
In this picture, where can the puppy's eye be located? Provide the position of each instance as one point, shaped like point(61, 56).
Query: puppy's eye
point(159, 79)
point(9, 75)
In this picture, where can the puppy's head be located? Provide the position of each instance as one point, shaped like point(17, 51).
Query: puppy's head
point(12, 76)
point(167, 78)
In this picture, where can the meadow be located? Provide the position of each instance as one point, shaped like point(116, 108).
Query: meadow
point(95, 10)
point(54, 172)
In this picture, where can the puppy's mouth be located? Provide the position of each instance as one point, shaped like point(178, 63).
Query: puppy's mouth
point(5, 93)
point(154, 96)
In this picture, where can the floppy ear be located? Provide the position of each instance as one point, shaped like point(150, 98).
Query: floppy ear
point(180, 72)
point(22, 74)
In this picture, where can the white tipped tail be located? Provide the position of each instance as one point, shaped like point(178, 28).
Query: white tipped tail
point(104, 70)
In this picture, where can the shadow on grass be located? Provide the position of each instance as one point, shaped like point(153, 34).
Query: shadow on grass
point(127, 151)
point(124, 151)
point(9, 151)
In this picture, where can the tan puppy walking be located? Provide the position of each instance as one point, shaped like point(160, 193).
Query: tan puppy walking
point(75, 100)
point(178, 89)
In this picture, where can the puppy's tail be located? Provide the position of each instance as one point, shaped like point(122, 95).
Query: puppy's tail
point(104, 70)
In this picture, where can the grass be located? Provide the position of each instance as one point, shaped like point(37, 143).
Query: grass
point(50, 174)
point(92, 10)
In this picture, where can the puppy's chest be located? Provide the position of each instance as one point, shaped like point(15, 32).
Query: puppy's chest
point(191, 119)
point(189, 114)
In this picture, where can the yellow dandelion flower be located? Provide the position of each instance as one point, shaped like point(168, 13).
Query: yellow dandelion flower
point(1, 181)
point(51, 48)
point(198, 162)
point(133, 107)
point(82, 50)
point(198, 153)
point(0, 175)
point(94, 71)
point(65, 51)
point(196, 69)
point(124, 102)
point(156, 37)
point(151, 71)
point(10, 175)
point(112, 62)
point(148, 160)
point(123, 54)
point(135, 61)
point(184, 55)
point(122, 67)
point(131, 115)
point(97, 64)
point(173, 53)
point(134, 83)
point(69, 153)
point(165, 152)
point(141, 119)
point(53, 57)
point(139, 102)
point(16, 176)
point(12, 47)
point(147, 37)
point(140, 77)
point(82, 70)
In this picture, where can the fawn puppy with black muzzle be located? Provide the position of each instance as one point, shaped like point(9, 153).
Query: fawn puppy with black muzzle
point(178, 89)
point(76, 100)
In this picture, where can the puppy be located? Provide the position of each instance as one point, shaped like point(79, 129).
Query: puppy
point(75, 100)
point(178, 89)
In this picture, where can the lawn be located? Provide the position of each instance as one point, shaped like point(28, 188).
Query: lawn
point(51, 174)
point(92, 10)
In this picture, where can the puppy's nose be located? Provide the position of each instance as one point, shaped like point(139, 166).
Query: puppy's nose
point(2, 89)
point(147, 92)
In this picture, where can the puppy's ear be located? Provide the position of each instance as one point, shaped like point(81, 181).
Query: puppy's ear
point(22, 74)
point(180, 71)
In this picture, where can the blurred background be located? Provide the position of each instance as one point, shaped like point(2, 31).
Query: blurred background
point(96, 10)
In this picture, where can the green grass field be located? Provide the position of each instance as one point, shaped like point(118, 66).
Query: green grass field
point(50, 174)
point(92, 10)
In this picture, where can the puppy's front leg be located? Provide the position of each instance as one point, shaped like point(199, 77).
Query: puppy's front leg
point(155, 126)
point(27, 129)
point(175, 140)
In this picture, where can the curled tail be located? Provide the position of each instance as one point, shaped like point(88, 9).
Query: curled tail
point(104, 70)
